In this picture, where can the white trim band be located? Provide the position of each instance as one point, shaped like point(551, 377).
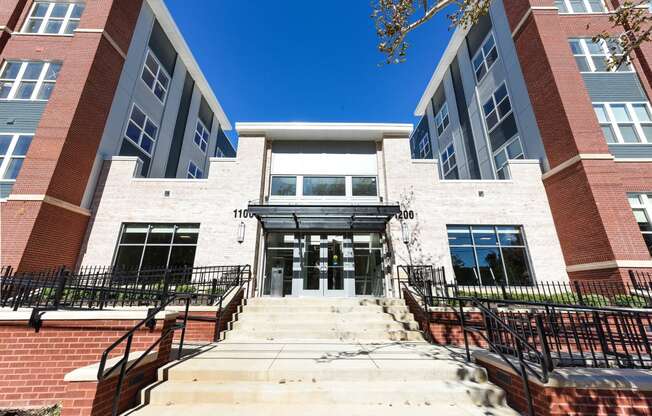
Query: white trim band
point(577, 158)
point(52, 201)
point(612, 264)
point(107, 37)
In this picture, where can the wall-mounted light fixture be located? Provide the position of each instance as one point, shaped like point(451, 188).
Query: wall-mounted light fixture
point(405, 233)
point(241, 232)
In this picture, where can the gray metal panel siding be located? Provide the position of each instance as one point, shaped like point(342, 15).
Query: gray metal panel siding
point(180, 128)
point(20, 116)
point(162, 48)
point(631, 151)
point(465, 122)
point(610, 87)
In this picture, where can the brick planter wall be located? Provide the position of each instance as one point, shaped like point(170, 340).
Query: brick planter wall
point(204, 331)
point(33, 365)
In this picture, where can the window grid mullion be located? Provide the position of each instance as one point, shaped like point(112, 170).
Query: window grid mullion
point(39, 81)
point(17, 80)
point(587, 54)
point(46, 18)
point(613, 122)
point(66, 19)
point(4, 166)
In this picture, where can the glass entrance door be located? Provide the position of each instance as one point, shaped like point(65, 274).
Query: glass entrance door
point(323, 265)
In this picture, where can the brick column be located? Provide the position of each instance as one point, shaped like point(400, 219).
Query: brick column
point(596, 227)
point(42, 223)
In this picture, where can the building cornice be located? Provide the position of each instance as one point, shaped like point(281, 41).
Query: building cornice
point(573, 160)
point(334, 131)
point(51, 201)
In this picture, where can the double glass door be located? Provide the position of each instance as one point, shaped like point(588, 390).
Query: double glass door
point(322, 259)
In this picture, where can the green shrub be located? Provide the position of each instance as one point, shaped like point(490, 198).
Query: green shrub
point(185, 289)
point(633, 301)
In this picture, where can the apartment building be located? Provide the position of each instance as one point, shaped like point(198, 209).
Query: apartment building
point(528, 82)
point(82, 81)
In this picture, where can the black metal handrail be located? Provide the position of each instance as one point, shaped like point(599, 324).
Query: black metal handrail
point(123, 363)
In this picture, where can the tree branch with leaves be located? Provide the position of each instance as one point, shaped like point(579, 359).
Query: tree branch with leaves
point(395, 19)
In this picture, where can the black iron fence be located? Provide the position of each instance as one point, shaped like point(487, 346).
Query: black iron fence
point(101, 287)
point(635, 293)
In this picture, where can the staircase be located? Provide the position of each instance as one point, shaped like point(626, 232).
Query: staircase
point(324, 357)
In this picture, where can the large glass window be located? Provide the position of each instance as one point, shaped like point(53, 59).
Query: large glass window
point(580, 6)
point(509, 151)
point(489, 255)
point(202, 134)
point(642, 206)
point(278, 263)
point(324, 186)
point(442, 119)
point(449, 162)
point(151, 246)
point(497, 107)
point(155, 76)
point(28, 80)
point(53, 18)
point(485, 58)
point(593, 56)
point(368, 262)
point(364, 186)
point(141, 130)
point(284, 186)
point(625, 122)
point(13, 148)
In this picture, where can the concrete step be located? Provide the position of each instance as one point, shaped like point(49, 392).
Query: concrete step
point(329, 324)
point(336, 392)
point(246, 409)
point(298, 334)
point(325, 301)
point(320, 307)
point(357, 315)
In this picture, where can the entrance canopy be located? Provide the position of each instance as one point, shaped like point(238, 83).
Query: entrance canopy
point(367, 217)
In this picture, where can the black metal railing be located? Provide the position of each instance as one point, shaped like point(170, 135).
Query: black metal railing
point(636, 293)
point(101, 287)
point(123, 364)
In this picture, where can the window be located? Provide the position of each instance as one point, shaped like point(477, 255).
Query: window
point(449, 161)
point(13, 148)
point(442, 119)
point(141, 130)
point(150, 246)
point(194, 172)
point(489, 255)
point(155, 77)
point(625, 122)
point(485, 58)
point(593, 56)
point(219, 152)
point(54, 18)
point(284, 186)
point(497, 107)
point(509, 151)
point(28, 80)
point(364, 186)
point(580, 6)
point(424, 147)
point(201, 136)
point(642, 206)
point(324, 186)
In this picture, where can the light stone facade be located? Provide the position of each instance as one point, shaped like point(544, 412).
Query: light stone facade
point(232, 183)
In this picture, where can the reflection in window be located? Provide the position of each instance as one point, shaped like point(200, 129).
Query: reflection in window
point(54, 18)
point(368, 261)
point(625, 122)
point(489, 255)
point(278, 261)
point(485, 58)
point(13, 148)
point(364, 186)
point(324, 186)
point(284, 186)
point(151, 246)
point(642, 207)
point(580, 6)
point(509, 151)
point(28, 80)
point(593, 56)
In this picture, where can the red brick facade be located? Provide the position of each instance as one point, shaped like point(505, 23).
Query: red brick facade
point(587, 191)
point(45, 213)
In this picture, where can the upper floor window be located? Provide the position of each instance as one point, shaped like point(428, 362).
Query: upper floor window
point(625, 122)
point(442, 119)
point(194, 172)
point(424, 147)
point(448, 161)
point(497, 107)
point(219, 152)
point(593, 56)
point(364, 186)
point(54, 18)
point(202, 134)
point(284, 186)
point(510, 150)
point(485, 57)
point(155, 76)
point(141, 130)
point(580, 6)
point(28, 80)
point(13, 148)
point(642, 206)
point(324, 186)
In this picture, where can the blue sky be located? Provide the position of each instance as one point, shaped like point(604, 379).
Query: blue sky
point(299, 60)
